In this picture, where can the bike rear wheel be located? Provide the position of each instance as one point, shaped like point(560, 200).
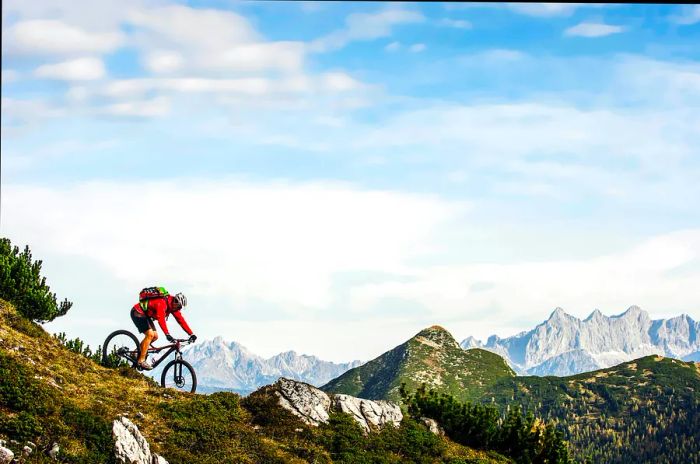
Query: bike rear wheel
point(179, 374)
point(120, 347)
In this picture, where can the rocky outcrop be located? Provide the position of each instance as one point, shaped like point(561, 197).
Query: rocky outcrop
point(308, 402)
point(313, 405)
point(130, 447)
point(367, 412)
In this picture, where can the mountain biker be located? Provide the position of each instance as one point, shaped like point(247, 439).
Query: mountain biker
point(158, 309)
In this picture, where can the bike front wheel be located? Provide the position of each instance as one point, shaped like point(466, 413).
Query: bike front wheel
point(120, 347)
point(179, 374)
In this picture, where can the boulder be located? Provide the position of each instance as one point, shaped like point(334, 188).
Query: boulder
point(130, 447)
point(433, 426)
point(54, 451)
point(370, 414)
point(313, 406)
point(307, 402)
point(6, 455)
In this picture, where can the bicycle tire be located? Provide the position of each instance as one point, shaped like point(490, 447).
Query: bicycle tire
point(172, 369)
point(106, 349)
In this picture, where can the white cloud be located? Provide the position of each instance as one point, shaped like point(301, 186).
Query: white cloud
point(80, 69)
point(185, 26)
point(279, 243)
point(339, 82)
point(417, 48)
point(22, 114)
point(545, 10)
point(331, 82)
point(688, 15)
point(366, 26)
point(54, 37)
point(456, 23)
point(592, 30)
point(172, 36)
point(164, 61)
point(159, 106)
point(311, 7)
point(487, 131)
point(393, 47)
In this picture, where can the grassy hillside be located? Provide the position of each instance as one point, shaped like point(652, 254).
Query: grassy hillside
point(50, 394)
point(432, 357)
point(647, 410)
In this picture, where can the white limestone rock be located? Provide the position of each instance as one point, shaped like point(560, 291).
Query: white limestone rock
point(6, 455)
point(313, 405)
point(130, 447)
point(53, 452)
point(307, 402)
point(433, 426)
point(368, 413)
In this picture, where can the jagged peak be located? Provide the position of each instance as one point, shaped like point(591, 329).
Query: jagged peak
point(596, 314)
point(633, 311)
point(471, 340)
point(558, 313)
point(438, 335)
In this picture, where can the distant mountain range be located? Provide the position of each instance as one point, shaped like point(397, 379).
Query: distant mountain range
point(565, 345)
point(229, 366)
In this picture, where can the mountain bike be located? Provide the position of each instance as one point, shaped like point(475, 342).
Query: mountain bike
point(122, 347)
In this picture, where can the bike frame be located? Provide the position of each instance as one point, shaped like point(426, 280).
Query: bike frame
point(172, 347)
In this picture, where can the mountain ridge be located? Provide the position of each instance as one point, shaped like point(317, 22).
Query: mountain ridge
point(564, 344)
point(223, 365)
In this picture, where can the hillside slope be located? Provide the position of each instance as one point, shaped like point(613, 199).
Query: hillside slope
point(642, 411)
point(48, 394)
point(432, 357)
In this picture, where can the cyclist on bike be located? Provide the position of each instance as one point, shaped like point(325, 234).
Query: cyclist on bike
point(158, 309)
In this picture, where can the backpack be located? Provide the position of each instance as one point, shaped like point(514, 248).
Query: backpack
point(150, 293)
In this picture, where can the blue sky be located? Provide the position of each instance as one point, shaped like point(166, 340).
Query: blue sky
point(333, 177)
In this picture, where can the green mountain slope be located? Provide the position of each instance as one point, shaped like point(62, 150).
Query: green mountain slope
point(432, 357)
point(643, 411)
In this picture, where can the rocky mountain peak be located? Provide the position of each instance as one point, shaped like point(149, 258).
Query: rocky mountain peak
point(595, 315)
point(633, 310)
point(436, 335)
point(558, 314)
point(471, 342)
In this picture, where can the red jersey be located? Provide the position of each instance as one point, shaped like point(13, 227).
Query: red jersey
point(158, 308)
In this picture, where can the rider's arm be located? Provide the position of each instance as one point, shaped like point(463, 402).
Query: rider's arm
point(181, 320)
point(159, 307)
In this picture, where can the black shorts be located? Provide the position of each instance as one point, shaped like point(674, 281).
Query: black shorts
point(143, 323)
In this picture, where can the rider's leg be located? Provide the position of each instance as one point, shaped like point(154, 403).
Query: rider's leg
point(150, 336)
